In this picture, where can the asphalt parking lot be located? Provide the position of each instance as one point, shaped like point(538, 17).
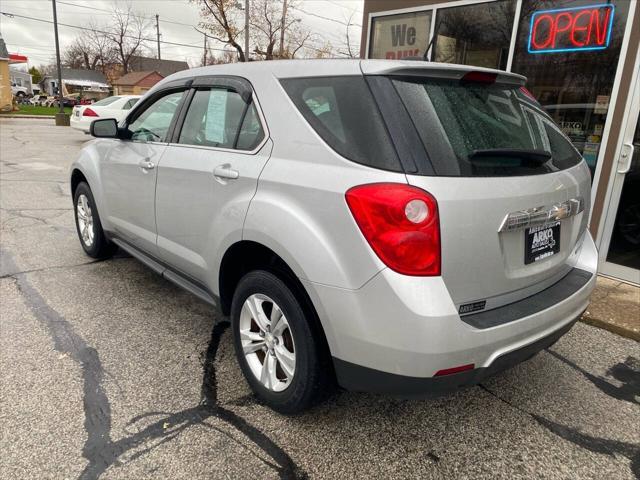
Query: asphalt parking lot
point(109, 371)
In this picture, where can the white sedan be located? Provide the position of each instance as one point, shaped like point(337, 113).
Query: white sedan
point(111, 107)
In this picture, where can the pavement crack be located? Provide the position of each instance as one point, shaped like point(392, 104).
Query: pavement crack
point(588, 442)
point(100, 449)
point(44, 269)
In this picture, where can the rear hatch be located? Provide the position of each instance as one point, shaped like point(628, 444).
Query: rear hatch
point(512, 191)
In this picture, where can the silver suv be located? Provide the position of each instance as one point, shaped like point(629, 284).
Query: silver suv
point(393, 226)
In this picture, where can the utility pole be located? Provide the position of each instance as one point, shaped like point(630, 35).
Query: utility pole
point(246, 30)
point(204, 55)
point(284, 20)
point(158, 33)
point(62, 119)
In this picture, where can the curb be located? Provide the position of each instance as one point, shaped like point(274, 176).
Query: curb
point(8, 115)
point(611, 327)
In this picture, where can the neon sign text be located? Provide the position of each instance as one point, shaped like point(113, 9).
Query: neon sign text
point(571, 29)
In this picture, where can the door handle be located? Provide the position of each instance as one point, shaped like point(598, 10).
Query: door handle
point(225, 171)
point(624, 163)
point(146, 165)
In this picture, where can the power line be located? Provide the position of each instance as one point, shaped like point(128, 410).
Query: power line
point(11, 15)
point(111, 12)
point(326, 18)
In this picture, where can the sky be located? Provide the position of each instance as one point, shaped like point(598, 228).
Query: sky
point(327, 18)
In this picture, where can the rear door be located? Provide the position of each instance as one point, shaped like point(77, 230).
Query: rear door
point(209, 174)
point(129, 172)
point(512, 191)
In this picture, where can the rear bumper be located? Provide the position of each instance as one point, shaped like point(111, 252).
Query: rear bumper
point(358, 378)
point(393, 334)
point(79, 124)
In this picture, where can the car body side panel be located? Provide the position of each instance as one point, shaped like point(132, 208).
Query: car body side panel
point(88, 163)
point(198, 215)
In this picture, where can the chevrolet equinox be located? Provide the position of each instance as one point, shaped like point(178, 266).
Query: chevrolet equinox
point(400, 227)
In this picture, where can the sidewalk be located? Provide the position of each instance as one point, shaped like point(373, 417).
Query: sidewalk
point(615, 306)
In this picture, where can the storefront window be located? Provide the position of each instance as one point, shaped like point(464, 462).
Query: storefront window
point(477, 34)
point(399, 36)
point(568, 50)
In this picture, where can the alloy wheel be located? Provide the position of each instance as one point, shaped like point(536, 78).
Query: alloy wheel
point(267, 342)
point(85, 220)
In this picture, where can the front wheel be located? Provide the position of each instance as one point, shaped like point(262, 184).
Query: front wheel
point(90, 233)
point(276, 347)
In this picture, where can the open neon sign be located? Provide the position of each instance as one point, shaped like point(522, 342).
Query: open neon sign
point(571, 29)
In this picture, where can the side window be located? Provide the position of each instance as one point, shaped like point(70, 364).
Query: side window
point(323, 104)
point(129, 104)
point(251, 132)
point(153, 124)
point(213, 118)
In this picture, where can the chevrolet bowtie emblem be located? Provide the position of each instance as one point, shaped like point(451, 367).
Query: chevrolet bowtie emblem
point(535, 216)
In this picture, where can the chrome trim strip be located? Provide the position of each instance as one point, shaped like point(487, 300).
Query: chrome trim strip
point(533, 217)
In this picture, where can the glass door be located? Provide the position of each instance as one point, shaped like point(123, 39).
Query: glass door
point(620, 248)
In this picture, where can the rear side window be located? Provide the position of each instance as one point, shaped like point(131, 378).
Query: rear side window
point(220, 118)
point(472, 129)
point(343, 112)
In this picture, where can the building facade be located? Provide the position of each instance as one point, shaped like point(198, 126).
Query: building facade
point(136, 83)
point(90, 84)
point(582, 61)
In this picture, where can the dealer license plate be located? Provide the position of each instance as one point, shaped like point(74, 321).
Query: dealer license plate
point(541, 242)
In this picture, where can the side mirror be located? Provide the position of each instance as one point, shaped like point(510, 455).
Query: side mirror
point(104, 128)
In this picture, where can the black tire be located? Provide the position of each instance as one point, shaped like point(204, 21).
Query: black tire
point(311, 379)
point(101, 247)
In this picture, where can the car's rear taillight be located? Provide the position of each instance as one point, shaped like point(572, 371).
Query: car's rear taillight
point(89, 113)
point(401, 224)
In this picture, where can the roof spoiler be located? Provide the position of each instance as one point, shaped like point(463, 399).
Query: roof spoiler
point(441, 71)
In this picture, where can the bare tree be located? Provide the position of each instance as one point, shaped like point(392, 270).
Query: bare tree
point(81, 54)
point(221, 19)
point(127, 34)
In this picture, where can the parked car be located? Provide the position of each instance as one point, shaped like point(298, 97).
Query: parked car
point(66, 101)
point(40, 100)
point(400, 227)
point(18, 91)
point(111, 107)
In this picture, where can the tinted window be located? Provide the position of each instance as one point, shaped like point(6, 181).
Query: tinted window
point(106, 101)
point(477, 130)
point(153, 124)
point(251, 133)
point(214, 118)
point(342, 111)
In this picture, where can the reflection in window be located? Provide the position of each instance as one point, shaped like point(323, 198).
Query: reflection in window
point(575, 86)
point(399, 36)
point(153, 124)
point(474, 34)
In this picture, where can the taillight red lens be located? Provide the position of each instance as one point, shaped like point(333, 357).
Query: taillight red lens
point(89, 113)
point(401, 224)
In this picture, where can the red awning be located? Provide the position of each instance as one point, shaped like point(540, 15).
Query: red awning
point(15, 58)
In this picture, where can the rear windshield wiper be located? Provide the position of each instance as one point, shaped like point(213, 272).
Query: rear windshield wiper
point(536, 156)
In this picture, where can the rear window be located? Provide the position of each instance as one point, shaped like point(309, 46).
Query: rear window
point(484, 130)
point(106, 101)
point(343, 112)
